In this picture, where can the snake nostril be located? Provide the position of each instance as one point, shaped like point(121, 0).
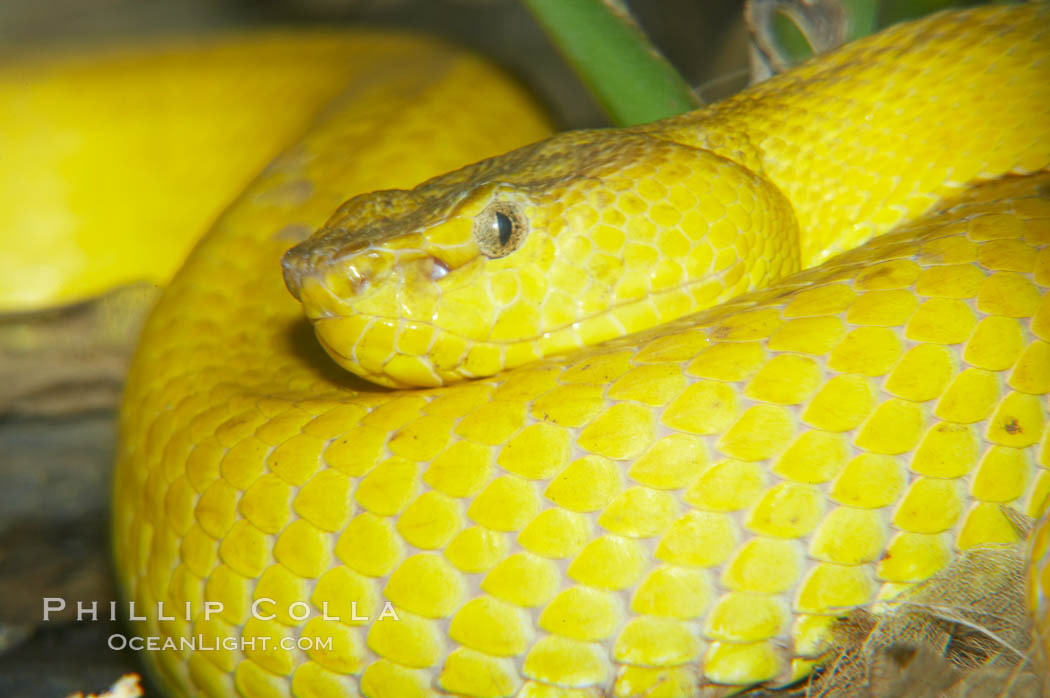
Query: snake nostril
point(358, 278)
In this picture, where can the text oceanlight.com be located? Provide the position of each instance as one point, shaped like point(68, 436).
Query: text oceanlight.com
point(200, 643)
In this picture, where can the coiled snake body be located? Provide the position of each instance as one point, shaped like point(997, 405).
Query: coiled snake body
point(691, 504)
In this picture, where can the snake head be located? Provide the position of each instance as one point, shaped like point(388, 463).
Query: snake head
point(562, 244)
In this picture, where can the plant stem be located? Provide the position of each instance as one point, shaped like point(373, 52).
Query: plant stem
point(863, 17)
point(612, 56)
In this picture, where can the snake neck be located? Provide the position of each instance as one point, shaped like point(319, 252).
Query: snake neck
point(858, 151)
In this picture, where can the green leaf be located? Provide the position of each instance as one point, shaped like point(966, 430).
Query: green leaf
point(615, 60)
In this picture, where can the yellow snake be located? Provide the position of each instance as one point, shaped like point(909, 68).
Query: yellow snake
point(688, 506)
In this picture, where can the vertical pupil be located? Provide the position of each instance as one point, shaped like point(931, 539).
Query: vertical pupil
point(503, 228)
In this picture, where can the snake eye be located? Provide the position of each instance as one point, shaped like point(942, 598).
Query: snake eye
point(505, 228)
point(500, 229)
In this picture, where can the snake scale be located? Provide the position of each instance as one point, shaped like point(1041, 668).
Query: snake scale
point(597, 486)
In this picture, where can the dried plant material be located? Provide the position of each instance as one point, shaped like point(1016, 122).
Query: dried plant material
point(73, 358)
point(127, 686)
point(822, 23)
point(964, 632)
point(1021, 524)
